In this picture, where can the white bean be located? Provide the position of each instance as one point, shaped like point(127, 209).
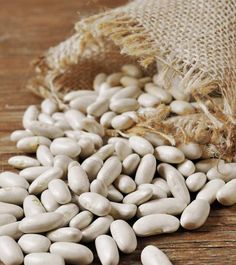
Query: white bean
point(114, 79)
point(225, 172)
point(78, 180)
point(21, 162)
point(32, 206)
point(90, 125)
point(155, 224)
point(11, 230)
point(72, 253)
point(34, 243)
point(123, 105)
point(10, 252)
point(186, 168)
point(102, 206)
point(144, 80)
point(48, 201)
point(98, 186)
point(6, 219)
point(175, 181)
point(157, 192)
point(172, 206)
point(105, 151)
point(45, 118)
point(41, 222)
point(130, 164)
point(65, 146)
point(68, 211)
point(138, 197)
point(12, 209)
point(41, 182)
point(122, 122)
point(158, 92)
point(91, 166)
point(181, 107)
point(133, 115)
point(49, 106)
point(114, 140)
point(206, 164)
point(140, 145)
point(152, 255)
point(125, 184)
point(62, 161)
point(31, 114)
point(63, 125)
point(59, 191)
point(65, 234)
point(127, 92)
point(98, 80)
point(179, 94)
point(155, 139)
point(191, 151)
point(124, 211)
point(74, 118)
point(148, 101)
point(124, 236)
point(169, 154)
point(9, 179)
point(58, 116)
point(209, 191)
point(196, 181)
point(131, 70)
point(122, 150)
point(81, 220)
point(195, 214)
point(44, 129)
point(106, 119)
point(226, 195)
point(87, 147)
point(78, 93)
point(43, 258)
point(20, 134)
point(147, 112)
point(106, 92)
point(99, 107)
point(159, 182)
point(81, 103)
point(73, 163)
point(114, 195)
point(31, 173)
point(98, 227)
point(110, 170)
point(44, 156)
point(129, 81)
point(146, 169)
point(107, 250)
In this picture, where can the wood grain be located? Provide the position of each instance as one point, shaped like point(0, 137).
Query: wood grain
point(27, 28)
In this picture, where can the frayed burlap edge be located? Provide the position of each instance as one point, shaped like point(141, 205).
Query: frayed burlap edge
point(213, 127)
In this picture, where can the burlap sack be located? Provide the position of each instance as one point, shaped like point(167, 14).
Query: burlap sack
point(193, 40)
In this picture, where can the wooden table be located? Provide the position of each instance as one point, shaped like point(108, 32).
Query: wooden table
point(27, 28)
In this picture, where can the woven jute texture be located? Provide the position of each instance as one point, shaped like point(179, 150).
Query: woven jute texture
point(194, 41)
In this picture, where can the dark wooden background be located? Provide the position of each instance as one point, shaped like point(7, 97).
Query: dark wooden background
point(29, 27)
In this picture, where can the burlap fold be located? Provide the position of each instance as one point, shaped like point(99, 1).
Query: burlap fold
point(193, 41)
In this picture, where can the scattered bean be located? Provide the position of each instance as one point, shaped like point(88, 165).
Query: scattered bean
point(152, 255)
point(107, 250)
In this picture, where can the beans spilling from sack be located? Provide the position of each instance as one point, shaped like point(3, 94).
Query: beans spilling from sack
point(77, 185)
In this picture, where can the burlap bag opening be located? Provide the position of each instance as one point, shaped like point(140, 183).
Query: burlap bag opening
point(193, 41)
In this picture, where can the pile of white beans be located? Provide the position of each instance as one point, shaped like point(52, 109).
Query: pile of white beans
point(76, 185)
